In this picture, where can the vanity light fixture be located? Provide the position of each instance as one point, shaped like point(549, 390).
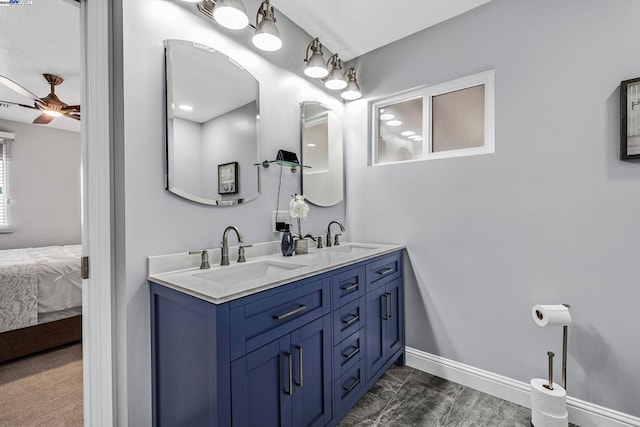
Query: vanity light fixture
point(230, 14)
point(315, 67)
point(267, 36)
point(335, 78)
point(352, 91)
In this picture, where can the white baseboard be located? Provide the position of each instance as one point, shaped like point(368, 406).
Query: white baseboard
point(581, 413)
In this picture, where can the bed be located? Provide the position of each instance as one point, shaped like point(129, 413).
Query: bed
point(40, 299)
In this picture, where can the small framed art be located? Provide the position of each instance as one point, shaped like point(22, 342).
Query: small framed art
point(228, 178)
point(630, 119)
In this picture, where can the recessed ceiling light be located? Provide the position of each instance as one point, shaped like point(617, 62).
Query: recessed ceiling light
point(386, 116)
point(416, 138)
point(394, 122)
point(185, 107)
point(408, 133)
point(311, 145)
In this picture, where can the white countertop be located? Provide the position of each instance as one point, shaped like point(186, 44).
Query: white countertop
point(268, 270)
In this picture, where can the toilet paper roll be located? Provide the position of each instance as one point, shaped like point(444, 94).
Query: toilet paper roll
point(540, 419)
point(550, 402)
point(551, 315)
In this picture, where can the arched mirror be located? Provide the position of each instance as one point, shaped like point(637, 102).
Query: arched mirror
point(321, 140)
point(212, 126)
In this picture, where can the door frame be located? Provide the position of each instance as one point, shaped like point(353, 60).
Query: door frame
point(97, 136)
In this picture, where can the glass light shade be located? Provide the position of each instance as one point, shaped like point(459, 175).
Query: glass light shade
point(335, 80)
point(231, 14)
point(267, 36)
point(315, 67)
point(352, 92)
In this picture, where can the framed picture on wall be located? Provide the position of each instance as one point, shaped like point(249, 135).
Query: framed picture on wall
point(630, 119)
point(228, 178)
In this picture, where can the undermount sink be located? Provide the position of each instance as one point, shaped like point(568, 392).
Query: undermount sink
point(352, 249)
point(245, 272)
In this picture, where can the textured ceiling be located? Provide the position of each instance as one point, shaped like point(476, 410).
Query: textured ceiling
point(40, 38)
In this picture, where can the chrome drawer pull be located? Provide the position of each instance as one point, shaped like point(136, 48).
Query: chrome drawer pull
point(353, 353)
point(352, 386)
point(386, 271)
point(354, 319)
point(290, 313)
point(349, 287)
point(389, 305)
point(290, 390)
point(384, 307)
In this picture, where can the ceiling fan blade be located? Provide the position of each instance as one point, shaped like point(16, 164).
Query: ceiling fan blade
point(33, 107)
point(16, 87)
point(71, 109)
point(43, 119)
point(73, 116)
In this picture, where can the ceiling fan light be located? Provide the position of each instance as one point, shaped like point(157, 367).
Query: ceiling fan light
point(231, 14)
point(267, 36)
point(52, 113)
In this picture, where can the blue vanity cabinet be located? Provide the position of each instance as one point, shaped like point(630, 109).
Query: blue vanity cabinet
point(385, 313)
point(297, 355)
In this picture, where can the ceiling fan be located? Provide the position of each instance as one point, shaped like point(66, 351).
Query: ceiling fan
point(51, 106)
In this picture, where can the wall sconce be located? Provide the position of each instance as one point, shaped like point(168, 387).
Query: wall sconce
point(316, 67)
point(335, 78)
point(267, 36)
point(352, 91)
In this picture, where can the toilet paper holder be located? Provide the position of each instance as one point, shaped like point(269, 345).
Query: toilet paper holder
point(550, 354)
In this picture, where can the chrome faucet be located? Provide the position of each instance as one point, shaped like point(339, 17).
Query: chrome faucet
point(225, 243)
point(329, 242)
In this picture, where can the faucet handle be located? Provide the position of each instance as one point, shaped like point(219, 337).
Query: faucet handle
point(319, 245)
point(204, 258)
point(336, 241)
point(241, 257)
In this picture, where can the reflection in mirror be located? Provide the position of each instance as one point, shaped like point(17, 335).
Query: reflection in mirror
point(212, 120)
point(321, 140)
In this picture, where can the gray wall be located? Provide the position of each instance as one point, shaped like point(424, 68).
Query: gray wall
point(152, 221)
point(551, 217)
point(44, 186)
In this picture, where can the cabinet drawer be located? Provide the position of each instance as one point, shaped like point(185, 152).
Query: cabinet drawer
point(348, 353)
point(348, 319)
point(347, 286)
point(349, 388)
point(259, 322)
point(384, 270)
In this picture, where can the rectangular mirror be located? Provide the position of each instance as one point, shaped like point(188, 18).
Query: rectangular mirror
point(212, 121)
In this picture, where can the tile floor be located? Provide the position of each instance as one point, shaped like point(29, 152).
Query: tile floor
point(407, 397)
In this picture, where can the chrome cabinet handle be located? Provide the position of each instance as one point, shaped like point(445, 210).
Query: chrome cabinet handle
point(352, 386)
point(389, 305)
point(384, 307)
point(349, 287)
point(354, 319)
point(289, 391)
point(290, 313)
point(353, 353)
point(385, 271)
point(299, 348)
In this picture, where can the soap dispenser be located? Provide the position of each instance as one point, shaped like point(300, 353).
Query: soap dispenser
point(287, 242)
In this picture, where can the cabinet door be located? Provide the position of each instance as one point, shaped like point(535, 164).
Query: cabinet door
point(393, 332)
point(311, 349)
point(262, 386)
point(376, 310)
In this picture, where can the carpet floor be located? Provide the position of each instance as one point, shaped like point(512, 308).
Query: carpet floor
point(42, 390)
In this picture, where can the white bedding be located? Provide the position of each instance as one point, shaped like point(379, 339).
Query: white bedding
point(38, 281)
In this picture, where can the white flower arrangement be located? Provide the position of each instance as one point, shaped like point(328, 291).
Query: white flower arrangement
point(298, 209)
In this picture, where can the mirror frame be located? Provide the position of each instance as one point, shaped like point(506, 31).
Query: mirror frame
point(169, 131)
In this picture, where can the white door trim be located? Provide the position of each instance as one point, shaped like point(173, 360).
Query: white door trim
point(98, 296)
